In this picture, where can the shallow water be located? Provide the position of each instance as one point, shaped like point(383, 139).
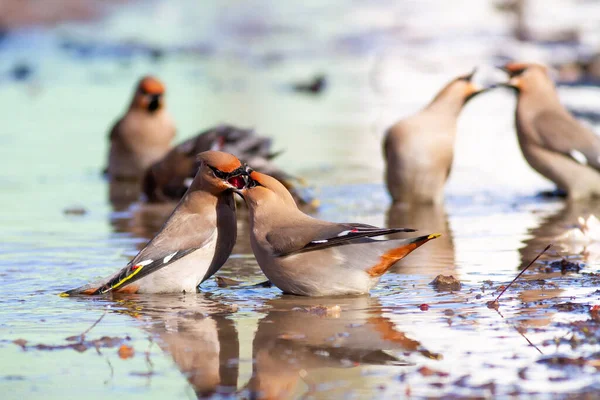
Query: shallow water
point(235, 64)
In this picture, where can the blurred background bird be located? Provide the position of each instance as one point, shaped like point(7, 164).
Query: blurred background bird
point(553, 142)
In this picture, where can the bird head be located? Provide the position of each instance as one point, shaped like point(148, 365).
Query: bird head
point(457, 92)
point(149, 95)
point(262, 188)
point(219, 172)
point(525, 76)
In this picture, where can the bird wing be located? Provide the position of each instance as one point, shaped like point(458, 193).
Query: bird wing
point(306, 237)
point(563, 134)
point(181, 235)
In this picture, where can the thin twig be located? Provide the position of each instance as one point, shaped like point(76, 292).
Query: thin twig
point(82, 336)
point(521, 273)
point(112, 371)
point(529, 341)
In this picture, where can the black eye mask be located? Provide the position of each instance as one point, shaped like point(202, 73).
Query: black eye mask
point(237, 178)
point(251, 182)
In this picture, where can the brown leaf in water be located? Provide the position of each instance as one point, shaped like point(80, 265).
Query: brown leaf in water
point(494, 304)
point(595, 313)
point(446, 283)
point(570, 307)
point(79, 347)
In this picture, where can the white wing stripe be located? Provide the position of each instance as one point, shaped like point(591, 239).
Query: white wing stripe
point(168, 258)
point(578, 156)
point(144, 263)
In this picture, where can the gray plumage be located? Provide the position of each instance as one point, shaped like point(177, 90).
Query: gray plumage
point(552, 141)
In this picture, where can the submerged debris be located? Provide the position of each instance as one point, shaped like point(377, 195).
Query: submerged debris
point(570, 307)
point(446, 283)
point(557, 360)
point(314, 86)
point(565, 266)
point(75, 210)
point(80, 344)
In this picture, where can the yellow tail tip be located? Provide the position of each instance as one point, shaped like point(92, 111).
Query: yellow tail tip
point(433, 236)
point(64, 294)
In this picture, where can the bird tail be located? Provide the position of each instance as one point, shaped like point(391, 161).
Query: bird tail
point(85, 290)
point(401, 249)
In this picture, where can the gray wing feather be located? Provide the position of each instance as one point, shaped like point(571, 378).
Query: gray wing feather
point(321, 234)
point(563, 134)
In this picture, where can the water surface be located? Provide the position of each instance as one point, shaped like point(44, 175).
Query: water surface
point(235, 64)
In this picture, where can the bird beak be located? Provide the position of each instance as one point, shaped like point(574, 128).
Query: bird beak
point(473, 90)
point(504, 69)
point(476, 85)
point(470, 76)
point(506, 81)
point(237, 182)
point(240, 182)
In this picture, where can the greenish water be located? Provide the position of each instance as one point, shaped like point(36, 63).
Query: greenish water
point(232, 63)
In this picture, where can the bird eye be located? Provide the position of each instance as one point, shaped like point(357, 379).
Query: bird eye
point(219, 174)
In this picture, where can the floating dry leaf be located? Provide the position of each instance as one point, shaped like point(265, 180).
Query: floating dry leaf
point(494, 304)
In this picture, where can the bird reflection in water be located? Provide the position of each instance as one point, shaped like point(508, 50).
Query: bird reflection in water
point(305, 342)
point(541, 283)
point(439, 257)
point(197, 332)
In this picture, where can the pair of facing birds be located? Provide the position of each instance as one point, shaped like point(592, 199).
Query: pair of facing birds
point(297, 253)
point(419, 149)
point(305, 256)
